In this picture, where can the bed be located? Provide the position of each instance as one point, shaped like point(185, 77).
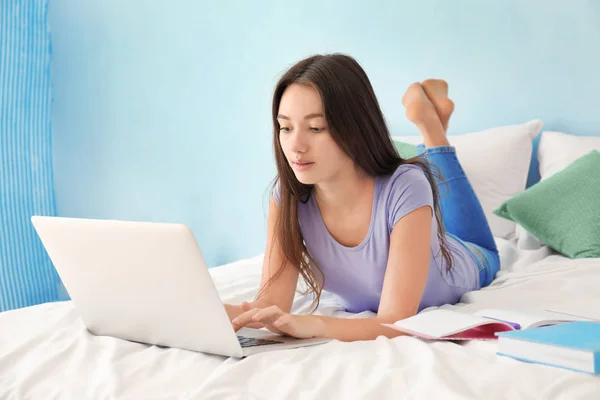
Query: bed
point(46, 352)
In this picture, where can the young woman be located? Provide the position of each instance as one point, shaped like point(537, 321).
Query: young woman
point(352, 217)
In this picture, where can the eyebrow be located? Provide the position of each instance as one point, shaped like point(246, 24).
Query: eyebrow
point(309, 116)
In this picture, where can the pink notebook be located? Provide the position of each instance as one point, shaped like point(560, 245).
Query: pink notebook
point(442, 324)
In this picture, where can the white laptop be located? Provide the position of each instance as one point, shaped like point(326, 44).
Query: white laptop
point(147, 282)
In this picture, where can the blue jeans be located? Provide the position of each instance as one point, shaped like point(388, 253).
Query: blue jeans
point(462, 214)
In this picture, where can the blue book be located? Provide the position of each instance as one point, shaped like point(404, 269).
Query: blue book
point(574, 345)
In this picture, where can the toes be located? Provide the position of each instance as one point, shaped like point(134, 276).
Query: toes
point(435, 87)
point(437, 91)
point(414, 91)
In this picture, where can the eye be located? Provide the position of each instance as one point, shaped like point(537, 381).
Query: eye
point(284, 129)
point(317, 129)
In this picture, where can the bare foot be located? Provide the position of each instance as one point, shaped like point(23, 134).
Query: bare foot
point(420, 111)
point(437, 91)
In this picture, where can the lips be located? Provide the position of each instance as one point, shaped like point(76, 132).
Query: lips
point(302, 165)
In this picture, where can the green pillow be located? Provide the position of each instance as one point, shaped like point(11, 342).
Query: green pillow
point(563, 211)
point(406, 150)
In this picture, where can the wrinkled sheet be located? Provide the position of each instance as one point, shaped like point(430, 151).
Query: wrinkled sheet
point(46, 352)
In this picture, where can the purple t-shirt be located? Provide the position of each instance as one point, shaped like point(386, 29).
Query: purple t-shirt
point(355, 274)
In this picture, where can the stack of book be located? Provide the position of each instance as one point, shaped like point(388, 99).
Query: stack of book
point(545, 337)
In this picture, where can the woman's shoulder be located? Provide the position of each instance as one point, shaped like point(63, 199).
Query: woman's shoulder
point(405, 175)
point(405, 190)
point(408, 180)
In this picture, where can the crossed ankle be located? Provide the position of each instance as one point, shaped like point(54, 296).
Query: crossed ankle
point(421, 148)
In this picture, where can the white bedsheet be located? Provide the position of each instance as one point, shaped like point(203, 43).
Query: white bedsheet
point(46, 353)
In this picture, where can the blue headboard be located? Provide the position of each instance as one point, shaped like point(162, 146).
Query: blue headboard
point(27, 276)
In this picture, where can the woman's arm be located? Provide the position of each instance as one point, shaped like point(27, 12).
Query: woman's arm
point(281, 292)
point(403, 287)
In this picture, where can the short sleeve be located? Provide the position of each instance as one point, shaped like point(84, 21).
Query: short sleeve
point(408, 190)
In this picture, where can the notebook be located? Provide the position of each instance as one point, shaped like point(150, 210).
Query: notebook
point(574, 346)
point(443, 324)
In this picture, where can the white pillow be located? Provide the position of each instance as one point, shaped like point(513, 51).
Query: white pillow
point(497, 162)
point(557, 150)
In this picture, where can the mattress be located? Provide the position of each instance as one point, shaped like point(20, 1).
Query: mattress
point(46, 352)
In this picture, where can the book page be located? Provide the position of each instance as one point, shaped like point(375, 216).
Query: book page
point(525, 318)
point(581, 312)
point(439, 323)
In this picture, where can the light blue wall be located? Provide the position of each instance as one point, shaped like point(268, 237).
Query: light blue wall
point(162, 109)
point(27, 276)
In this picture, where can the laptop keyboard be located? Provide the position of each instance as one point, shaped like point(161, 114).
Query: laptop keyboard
point(246, 341)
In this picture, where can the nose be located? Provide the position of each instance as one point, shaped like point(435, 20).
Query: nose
point(298, 142)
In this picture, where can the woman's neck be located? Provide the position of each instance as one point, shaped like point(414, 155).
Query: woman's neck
point(345, 190)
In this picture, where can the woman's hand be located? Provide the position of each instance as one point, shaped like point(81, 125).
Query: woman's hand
point(233, 311)
point(277, 321)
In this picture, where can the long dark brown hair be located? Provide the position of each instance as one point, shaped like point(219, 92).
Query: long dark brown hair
point(357, 125)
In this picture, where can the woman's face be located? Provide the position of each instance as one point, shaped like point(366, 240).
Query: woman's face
point(304, 136)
